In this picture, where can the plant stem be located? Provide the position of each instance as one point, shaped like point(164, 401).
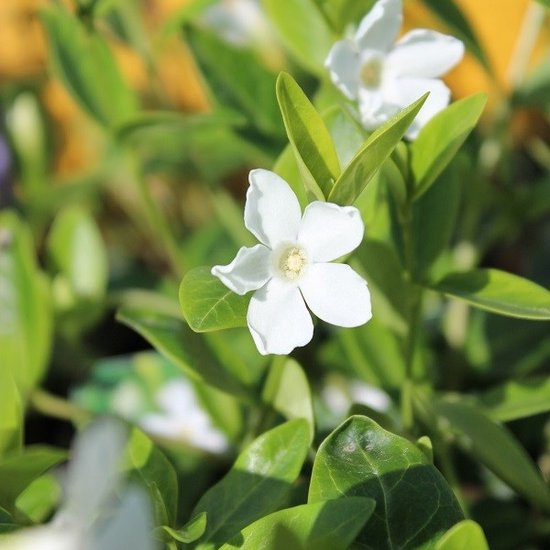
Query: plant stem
point(57, 407)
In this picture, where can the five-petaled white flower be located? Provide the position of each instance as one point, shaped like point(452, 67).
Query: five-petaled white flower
point(385, 78)
point(291, 265)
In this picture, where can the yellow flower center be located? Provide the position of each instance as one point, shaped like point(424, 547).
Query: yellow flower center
point(292, 262)
point(371, 73)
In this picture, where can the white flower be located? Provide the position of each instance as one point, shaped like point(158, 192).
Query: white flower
point(384, 77)
point(181, 418)
point(290, 266)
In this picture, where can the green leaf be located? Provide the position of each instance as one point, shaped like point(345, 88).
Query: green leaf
point(499, 292)
point(453, 16)
point(11, 413)
point(257, 484)
point(25, 308)
point(517, 399)
point(330, 525)
point(252, 93)
point(19, 470)
point(544, 3)
point(287, 167)
point(190, 532)
point(440, 139)
point(83, 62)
point(466, 535)
point(341, 13)
point(208, 305)
point(414, 504)
point(77, 248)
point(149, 465)
point(434, 217)
point(372, 155)
point(310, 138)
point(347, 134)
point(494, 447)
point(187, 350)
point(40, 498)
point(287, 390)
point(303, 30)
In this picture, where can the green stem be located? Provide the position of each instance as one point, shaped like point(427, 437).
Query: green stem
point(57, 407)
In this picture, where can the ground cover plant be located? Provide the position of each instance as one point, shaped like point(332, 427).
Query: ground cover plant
point(274, 274)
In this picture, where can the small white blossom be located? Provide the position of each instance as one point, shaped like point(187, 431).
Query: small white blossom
point(290, 268)
point(385, 77)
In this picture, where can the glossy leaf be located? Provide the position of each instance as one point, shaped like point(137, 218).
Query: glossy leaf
point(303, 30)
point(187, 350)
point(207, 304)
point(18, 470)
point(517, 399)
point(25, 309)
point(440, 139)
point(414, 504)
point(85, 65)
point(378, 147)
point(494, 447)
point(77, 248)
point(329, 525)
point(465, 535)
point(190, 532)
point(257, 484)
point(309, 137)
point(287, 390)
point(499, 292)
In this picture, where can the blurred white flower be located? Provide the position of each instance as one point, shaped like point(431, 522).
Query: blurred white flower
point(182, 418)
point(290, 268)
point(90, 483)
point(383, 77)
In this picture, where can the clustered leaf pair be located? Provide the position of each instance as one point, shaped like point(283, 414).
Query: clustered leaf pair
point(290, 268)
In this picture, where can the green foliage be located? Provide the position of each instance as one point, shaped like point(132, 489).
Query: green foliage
point(414, 504)
point(207, 304)
point(257, 484)
point(463, 536)
point(309, 137)
point(329, 525)
point(499, 292)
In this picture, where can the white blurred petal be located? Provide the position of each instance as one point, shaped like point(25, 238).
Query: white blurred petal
point(380, 27)
point(272, 212)
point(423, 53)
point(336, 294)
point(278, 318)
point(343, 65)
point(329, 231)
point(373, 109)
point(47, 537)
point(249, 270)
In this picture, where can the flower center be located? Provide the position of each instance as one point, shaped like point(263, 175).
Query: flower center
point(371, 72)
point(292, 262)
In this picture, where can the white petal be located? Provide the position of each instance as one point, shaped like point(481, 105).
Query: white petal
point(278, 318)
point(249, 270)
point(329, 231)
point(406, 90)
point(374, 109)
point(336, 294)
point(380, 27)
point(343, 65)
point(426, 54)
point(272, 212)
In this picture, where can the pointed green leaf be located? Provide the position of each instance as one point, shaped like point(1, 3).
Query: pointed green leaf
point(438, 142)
point(257, 484)
point(207, 304)
point(466, 535)
point(330, 525)
point(499, 292)
point(190, 532)
point(495, 447)
point(414, 504)
point(372, 155)
point(310, 138)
